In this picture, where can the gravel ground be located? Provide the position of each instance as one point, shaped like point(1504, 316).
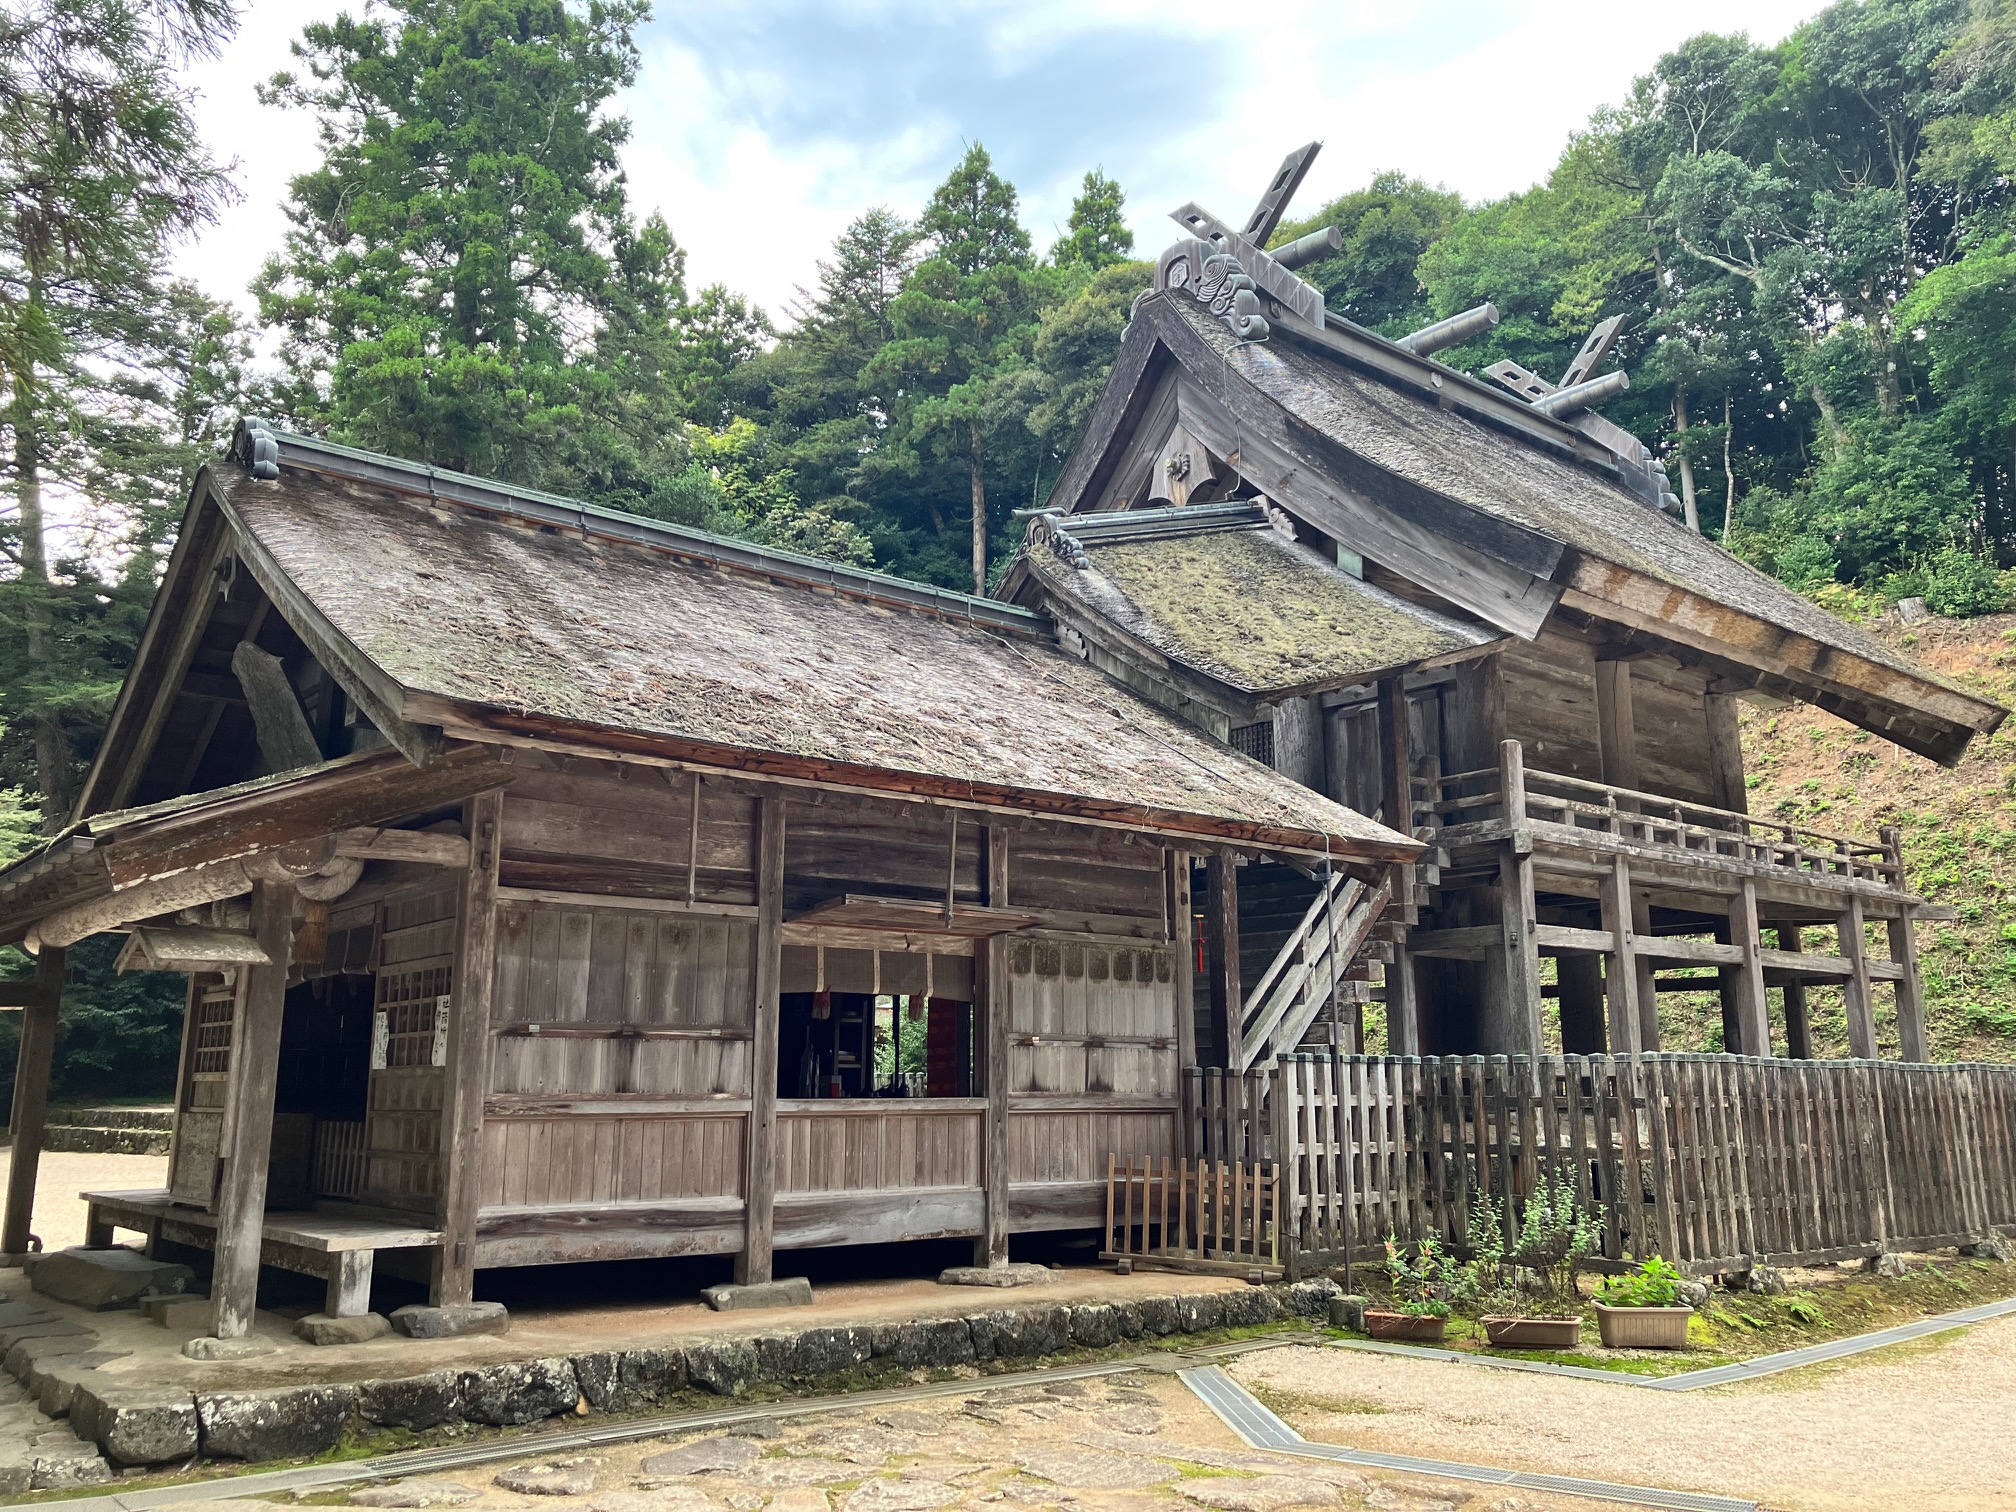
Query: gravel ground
point(62, 1174)
point(1919, 1426)
point(1135, 1443)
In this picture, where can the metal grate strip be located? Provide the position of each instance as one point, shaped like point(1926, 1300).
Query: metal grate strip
point(1254, 1422)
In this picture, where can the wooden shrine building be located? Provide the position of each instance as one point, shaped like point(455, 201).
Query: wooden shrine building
point(557, 885)
point(1464, 606)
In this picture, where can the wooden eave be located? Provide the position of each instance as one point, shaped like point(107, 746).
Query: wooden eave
point(478, 722)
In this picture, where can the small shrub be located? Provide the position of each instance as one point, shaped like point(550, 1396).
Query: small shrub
point(1426, 1280)
point(1654, 1284)
point(1961, 584)
point(1552, 1238)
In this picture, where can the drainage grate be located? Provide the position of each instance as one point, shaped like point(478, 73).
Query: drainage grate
point(1256, 1424)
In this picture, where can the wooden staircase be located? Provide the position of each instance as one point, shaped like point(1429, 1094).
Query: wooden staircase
point(1328, 956)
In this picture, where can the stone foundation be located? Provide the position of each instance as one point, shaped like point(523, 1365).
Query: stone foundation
point(153, 1426)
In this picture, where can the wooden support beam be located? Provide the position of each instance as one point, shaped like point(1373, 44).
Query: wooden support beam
point(255, 1072)
point(285, 740)
point(1620, 967)
point(1798, 1026)
point(1854, 947)
point(1698, 952)
point(1298, 741)
point(991, 1016)
point(1753, 1017)
point(1913, 1044)
point(1228, 1004)
point(1182, 938)
point(1648, 990)
point(1562, 937)
point(1616, 729)
point(32, 1065)
point(752, 1263)
point(1518, 911)
point(1396, 812)
point(467, 1078)
point(1725, 754)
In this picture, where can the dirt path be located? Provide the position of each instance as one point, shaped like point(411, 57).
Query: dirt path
point(1925, 1425)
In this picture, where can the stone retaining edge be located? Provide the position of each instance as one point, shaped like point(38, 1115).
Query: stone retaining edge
point(150, 1426)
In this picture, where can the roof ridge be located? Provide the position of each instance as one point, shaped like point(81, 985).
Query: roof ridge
point(262, 451)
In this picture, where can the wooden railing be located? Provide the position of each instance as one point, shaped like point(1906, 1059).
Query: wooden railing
point(1308, 969)
point(339, 1158)
point(1516, 792)
point(1204, 1215)
point(1715, 1162)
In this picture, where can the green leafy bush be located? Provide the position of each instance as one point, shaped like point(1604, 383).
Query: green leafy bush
point(1961, 584)
point(1654, 1284)
point(1551, 1239)
point(1425, 1280)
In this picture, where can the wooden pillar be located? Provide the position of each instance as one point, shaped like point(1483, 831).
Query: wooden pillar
point(1616, 727)
point(1396, 812)
point(1581, 979)
point(32, 1068)
point(1912, 1041)
point(1298, 741)
point(1854, 947)
point(1228, 1005)
point(1620, 969)
point(1396, 806)
point(760, 1185)
point(1753, 1009)
point(255, 1069)
point(1648, 989)
point(1798, 1028)
point(1725, 754)
point(466, 1080)
point(1518, 913)
point(990, 1006)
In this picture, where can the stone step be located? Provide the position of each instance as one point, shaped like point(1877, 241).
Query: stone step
point(80, 1139)
point(160, 1117)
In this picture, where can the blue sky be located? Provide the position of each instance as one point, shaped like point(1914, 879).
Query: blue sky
point(761, 127)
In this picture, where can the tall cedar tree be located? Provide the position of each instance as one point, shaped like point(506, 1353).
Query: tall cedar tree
point(467, 229)
point(1096, 236)
point(100, 169)
point(964, 322)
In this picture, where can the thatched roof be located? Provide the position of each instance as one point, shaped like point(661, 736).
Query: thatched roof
point(1220, 591)
point(529, 617)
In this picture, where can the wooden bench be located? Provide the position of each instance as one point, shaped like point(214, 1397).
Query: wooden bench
point(334, 1245)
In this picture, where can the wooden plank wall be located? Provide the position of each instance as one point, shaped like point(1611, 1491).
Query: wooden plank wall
point(402, 1120)
point(870, 1147)
point(622, 831)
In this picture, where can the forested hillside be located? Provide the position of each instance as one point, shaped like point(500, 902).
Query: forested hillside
point(1813, 241)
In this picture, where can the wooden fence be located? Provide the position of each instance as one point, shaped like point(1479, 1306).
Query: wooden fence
point(1714, 1162)
point(1209, 1215)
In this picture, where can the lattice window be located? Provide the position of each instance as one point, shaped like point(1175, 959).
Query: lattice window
point(407, 1006)
point(216, 1022)
point(1255, 740)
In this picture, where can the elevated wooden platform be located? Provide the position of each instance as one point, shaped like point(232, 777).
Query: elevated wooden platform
point(325, 1241)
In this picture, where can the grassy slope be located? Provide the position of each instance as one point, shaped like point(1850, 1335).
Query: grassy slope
point(1959, 830)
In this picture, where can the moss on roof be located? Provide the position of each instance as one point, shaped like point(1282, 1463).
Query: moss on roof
point(1256, 611)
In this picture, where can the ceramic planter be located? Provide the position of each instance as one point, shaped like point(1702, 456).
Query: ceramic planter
point(1533, 1333)
point(1404, 1326)
point(1643, 1327)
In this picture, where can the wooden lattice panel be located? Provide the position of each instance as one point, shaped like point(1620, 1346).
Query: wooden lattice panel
point(216, 1024)
point(408, 1001)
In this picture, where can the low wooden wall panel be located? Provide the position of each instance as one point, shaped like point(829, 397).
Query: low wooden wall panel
point(1091, 1018)
point(534, 1162)
point(895, 1145)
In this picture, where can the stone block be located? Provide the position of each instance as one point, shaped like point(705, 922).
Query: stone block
point(1200, 1314)
point(320, 1328)
point(181, 1314)
point(23, 1355)
point(1991, 1246)
point(290, 1423)
point(1250, 1308)
point(1348, 1311)
point(57, 1466)
point(1015, 1333)
point(788, 1291)
point(566, 1477)
point(251, 1347)
point(936, 1343)
point(726, 1367)
point(17, 1471)
point(53, 1382)
point(422, 1401)
point(1159, 1316)
point(55, 1328)
point(1095, 1326)
point(1889, 1265)
point(1007, 1274)
point(649, 1375)
point(136, 1425)
point(457, 1318)
point(1310, 1299)
point(807, 1354)
point(100, 1279)
point(520, 1391)
point(599, 1377)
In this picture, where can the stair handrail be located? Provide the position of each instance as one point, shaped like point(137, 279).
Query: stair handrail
point(1338, 939)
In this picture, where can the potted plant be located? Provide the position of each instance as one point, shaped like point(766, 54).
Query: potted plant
point(1423, 1282)
point(1643, 1310)
point(1529, 1275)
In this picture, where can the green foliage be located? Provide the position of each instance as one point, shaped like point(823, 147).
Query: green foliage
point(1962, 583)
point(1553, 1235)
point(1385, 228)
point(1097, 236)
point(1425, 1279)
point(1655, 1283)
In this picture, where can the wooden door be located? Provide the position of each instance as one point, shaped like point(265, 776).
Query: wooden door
point(205, 1093)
